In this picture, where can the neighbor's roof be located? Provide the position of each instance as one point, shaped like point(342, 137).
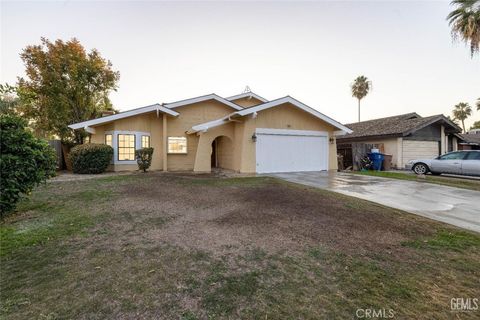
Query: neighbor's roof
point(401, 125)
point(274, 103)
point(472, 139)
point(164, 108)
point(247, 95)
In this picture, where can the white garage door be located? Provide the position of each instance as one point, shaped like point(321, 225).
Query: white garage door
point(279, 150)
point(414, 149)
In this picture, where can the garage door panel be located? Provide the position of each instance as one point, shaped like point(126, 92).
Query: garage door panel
point(290, 153)
point(415, 149)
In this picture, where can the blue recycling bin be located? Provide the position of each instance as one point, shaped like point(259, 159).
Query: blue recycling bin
point(377, 160)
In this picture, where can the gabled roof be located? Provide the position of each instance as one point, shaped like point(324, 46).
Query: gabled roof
point(470, 139)
point(396, 126)
point(154, 107)
point(207, 97)
point(296, 103)
point(274, 103)
point(165, 108)
point(247, 95)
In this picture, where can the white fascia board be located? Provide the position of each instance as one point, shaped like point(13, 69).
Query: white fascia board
point(298, 104)
point(247, 95)
point(339, 133)
point(212, 96)
point(288, 132)
point(207, 125)
point(126, 114)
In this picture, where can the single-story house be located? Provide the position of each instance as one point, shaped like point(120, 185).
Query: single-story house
point(245, 133)
point(405, 137)
point(469, 140)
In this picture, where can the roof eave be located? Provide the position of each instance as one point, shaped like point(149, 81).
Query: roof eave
point(127, 114)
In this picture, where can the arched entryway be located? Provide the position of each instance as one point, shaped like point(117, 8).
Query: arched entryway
point(222, 153)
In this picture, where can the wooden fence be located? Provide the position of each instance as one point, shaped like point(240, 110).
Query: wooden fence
point(57, 145)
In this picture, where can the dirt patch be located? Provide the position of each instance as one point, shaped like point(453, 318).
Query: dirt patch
point(275, 217)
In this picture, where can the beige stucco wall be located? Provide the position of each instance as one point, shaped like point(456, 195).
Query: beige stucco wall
point(247, 102)
point(284, 116)
point(142, 123)
point(236, 150)
point(189, 116)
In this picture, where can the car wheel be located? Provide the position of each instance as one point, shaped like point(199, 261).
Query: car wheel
point(420, 168)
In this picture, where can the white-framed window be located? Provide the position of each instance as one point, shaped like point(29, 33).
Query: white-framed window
point(87, 139)
point(126, 147)
point(177, 145)
point(109, 140)
point(145, 141)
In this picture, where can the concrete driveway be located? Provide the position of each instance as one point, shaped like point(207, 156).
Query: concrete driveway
point(459, 207)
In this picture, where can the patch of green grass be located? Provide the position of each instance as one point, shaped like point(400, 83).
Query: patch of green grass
point(46, 217)
point(228, 291)
point(42, 227)
point(446, 240)
point(446, 181)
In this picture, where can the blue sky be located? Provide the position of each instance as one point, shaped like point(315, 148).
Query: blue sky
point(167, 51)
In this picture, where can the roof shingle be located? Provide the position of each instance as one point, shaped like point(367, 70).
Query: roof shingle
point(390, 126)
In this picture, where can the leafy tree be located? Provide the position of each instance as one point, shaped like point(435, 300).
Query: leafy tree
point(361, 86)
point(8, 99)
point(462, 111)
point(25, 161)
point(64, 85)
point(478, 104)
point(453, 120)
point(476, 125)
point(465, 23)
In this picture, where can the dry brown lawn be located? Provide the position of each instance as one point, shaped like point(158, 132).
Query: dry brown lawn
point(173, 246)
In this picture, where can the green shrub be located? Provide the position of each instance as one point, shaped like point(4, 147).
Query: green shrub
point(144, 158)
point(25, 161)
point(90, 158)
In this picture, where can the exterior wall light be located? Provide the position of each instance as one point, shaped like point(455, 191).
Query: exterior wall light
point(254, 137)
point(331, 140)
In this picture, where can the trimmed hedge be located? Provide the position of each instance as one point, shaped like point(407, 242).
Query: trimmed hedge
point(25, 161)
point(144, 158)
point(90, 158)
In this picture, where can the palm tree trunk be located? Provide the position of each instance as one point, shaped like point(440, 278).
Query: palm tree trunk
point(358, 110)
point(463, 125)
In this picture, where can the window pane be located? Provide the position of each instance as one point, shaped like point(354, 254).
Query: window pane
point(453, 156)
point(177, 145)
point(473, 155)
point(126, 147)
point(145, 142)
point(108, 140)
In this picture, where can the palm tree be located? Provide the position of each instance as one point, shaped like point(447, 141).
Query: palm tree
point(461, 112)
point(360, 88)
point(465, 23)
point(478, 104)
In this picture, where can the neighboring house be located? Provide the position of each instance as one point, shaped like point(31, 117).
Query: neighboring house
point(244, 133)
point(470, 140)
point(405, 137)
